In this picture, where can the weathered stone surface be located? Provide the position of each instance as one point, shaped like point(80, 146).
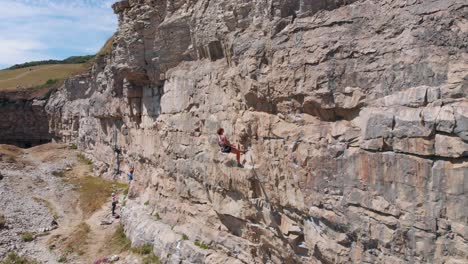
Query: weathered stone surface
point(352, 115)
point(452, 147)
point(461, 120)
point(23, 122)
point(418, 146)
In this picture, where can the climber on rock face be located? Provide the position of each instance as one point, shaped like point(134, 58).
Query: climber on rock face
point(227, 147)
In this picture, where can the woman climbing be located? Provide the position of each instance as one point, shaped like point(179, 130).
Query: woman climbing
point(227, 147)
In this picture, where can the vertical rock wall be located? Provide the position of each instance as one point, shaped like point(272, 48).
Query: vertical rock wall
point(23, 122)
point(353, 116)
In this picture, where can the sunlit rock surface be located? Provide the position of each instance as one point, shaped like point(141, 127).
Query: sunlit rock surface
point(353, 116)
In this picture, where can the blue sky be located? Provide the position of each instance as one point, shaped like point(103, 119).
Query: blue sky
point(53, 29)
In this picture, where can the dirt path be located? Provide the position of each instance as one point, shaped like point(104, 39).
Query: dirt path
point(21, 75)
point(45, 183)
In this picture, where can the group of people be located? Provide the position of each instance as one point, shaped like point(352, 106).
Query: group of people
point(225, 147)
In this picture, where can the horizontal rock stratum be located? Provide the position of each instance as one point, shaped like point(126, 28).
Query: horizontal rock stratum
point(353, 116)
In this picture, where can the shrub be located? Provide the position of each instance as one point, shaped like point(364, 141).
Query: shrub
point(119, 240)
point(185, 237)
point(62, 259)
point(143, 250)
point(73, 146)
point(157, 216)
point(146, 203)
point(52, 81)
point(13, 258)
point(27, 236)
point(151, 259)
point(147, 252)
point(201, 245)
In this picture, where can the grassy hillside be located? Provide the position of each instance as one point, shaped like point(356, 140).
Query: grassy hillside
point(37, 76)
point(69, 60)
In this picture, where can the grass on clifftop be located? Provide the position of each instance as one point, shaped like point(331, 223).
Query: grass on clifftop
point(37, 77)
point(106, 49)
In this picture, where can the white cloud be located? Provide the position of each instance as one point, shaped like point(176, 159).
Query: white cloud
point(14, 50)
point(41, 29)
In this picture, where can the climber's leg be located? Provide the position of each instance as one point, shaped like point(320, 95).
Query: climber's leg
point(238, 153)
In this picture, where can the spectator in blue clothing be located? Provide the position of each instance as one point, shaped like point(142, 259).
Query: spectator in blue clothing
point(130, 176)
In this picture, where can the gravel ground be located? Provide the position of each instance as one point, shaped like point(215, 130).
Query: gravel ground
point(26, 195)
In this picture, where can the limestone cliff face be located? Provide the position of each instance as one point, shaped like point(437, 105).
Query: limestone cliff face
point(353, 116)
point(23, 120)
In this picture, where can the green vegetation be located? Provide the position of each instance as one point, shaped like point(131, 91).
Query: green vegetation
point(157, 216)
point(27, 236)
point(2, 221)
point(119, 241)
point(37, 77)
point(146, 203)
point(151, 259)
point(83, 159)
point(52, 81)
point(73, 146)
point(94, 192)
point(13, 258)
point(146, 251)
point(69, 60)
point(62, 259)
point(201, 245)
point(143, 250)
point(185, 237)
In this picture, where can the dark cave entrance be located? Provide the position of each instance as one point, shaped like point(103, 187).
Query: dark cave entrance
point(25, 143)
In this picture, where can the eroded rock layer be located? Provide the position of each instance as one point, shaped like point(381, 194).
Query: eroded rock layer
point(23, 121)
point(353, 116)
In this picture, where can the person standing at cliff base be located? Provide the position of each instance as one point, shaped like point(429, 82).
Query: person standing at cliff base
point(114, 203)
point(227, 147)
point(130, 176)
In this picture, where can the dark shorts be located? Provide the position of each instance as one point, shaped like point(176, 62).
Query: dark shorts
point(226, 149)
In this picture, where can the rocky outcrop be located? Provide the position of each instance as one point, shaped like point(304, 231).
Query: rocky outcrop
point(23, 122)
point(353, 116)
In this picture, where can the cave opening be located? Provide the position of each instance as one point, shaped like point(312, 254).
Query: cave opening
point(25, 143)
